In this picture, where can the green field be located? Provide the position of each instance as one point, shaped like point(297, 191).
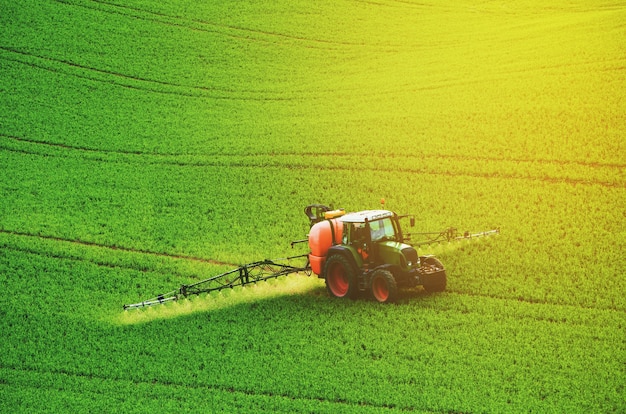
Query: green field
point(145, 145)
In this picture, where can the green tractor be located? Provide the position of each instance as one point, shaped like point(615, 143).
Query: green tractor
point(366, 251)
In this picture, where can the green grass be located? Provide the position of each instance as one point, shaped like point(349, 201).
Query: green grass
point(144, 146)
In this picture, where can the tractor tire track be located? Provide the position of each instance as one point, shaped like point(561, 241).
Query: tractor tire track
point(82, 76)
point(236, 32)
point(196, 387)
point(69, 68)
point(309, 155)
point(99, 263)
point(83, 148)
point(590, 164)
point(582, 67)
point(262, 163)
point(117, 248)
point(407, 5)
point(127, 11)
point(274, 161)
point(533, 302)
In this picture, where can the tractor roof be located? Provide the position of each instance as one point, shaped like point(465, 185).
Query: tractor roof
point(369, 215)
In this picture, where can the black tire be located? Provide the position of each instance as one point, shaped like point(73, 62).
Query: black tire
point(383, 286)
point(436, 279)
point(340, 277)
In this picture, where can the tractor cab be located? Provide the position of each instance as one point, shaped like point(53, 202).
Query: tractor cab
point(374, 225)
point(372, 233)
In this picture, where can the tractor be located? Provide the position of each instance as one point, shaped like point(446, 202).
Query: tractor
point(355, 253)
point(367, 252)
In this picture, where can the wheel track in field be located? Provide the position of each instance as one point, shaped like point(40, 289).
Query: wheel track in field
point(99, 262)
point(198, 387)
point(69, 68)
point(232, 31)
point(532, 301)
point(477, 158)
point(81, 76)
point(590, 164)
point(118, 79)
point(143, 84)
point(404, 4)
point(115, 248)
point(229, 94)
point(271, 160)
point(83, 148)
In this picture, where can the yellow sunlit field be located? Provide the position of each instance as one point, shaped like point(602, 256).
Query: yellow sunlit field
point(146, 145)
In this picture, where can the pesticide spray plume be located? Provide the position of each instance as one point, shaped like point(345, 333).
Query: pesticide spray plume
point(298, 284)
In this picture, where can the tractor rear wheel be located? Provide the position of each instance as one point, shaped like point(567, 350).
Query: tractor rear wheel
point(340, 277)
point(383, 286)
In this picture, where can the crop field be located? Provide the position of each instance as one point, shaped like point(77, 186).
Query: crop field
point(145, 145)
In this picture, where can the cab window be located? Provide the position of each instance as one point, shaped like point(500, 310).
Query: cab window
point(382, 230)
point(356, 233)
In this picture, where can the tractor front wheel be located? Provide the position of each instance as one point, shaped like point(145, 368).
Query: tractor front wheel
point(383, 286)
point(340, 277)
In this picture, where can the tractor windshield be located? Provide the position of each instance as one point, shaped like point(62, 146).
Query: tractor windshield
point(382, 230)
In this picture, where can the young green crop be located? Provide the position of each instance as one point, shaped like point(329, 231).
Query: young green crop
point(529, 355)
point(147, 145)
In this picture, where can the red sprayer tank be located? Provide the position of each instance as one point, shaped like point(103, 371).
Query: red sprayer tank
point(321, 239)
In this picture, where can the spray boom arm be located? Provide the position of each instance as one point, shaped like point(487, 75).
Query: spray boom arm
point(243, 275)
point(448, 235)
